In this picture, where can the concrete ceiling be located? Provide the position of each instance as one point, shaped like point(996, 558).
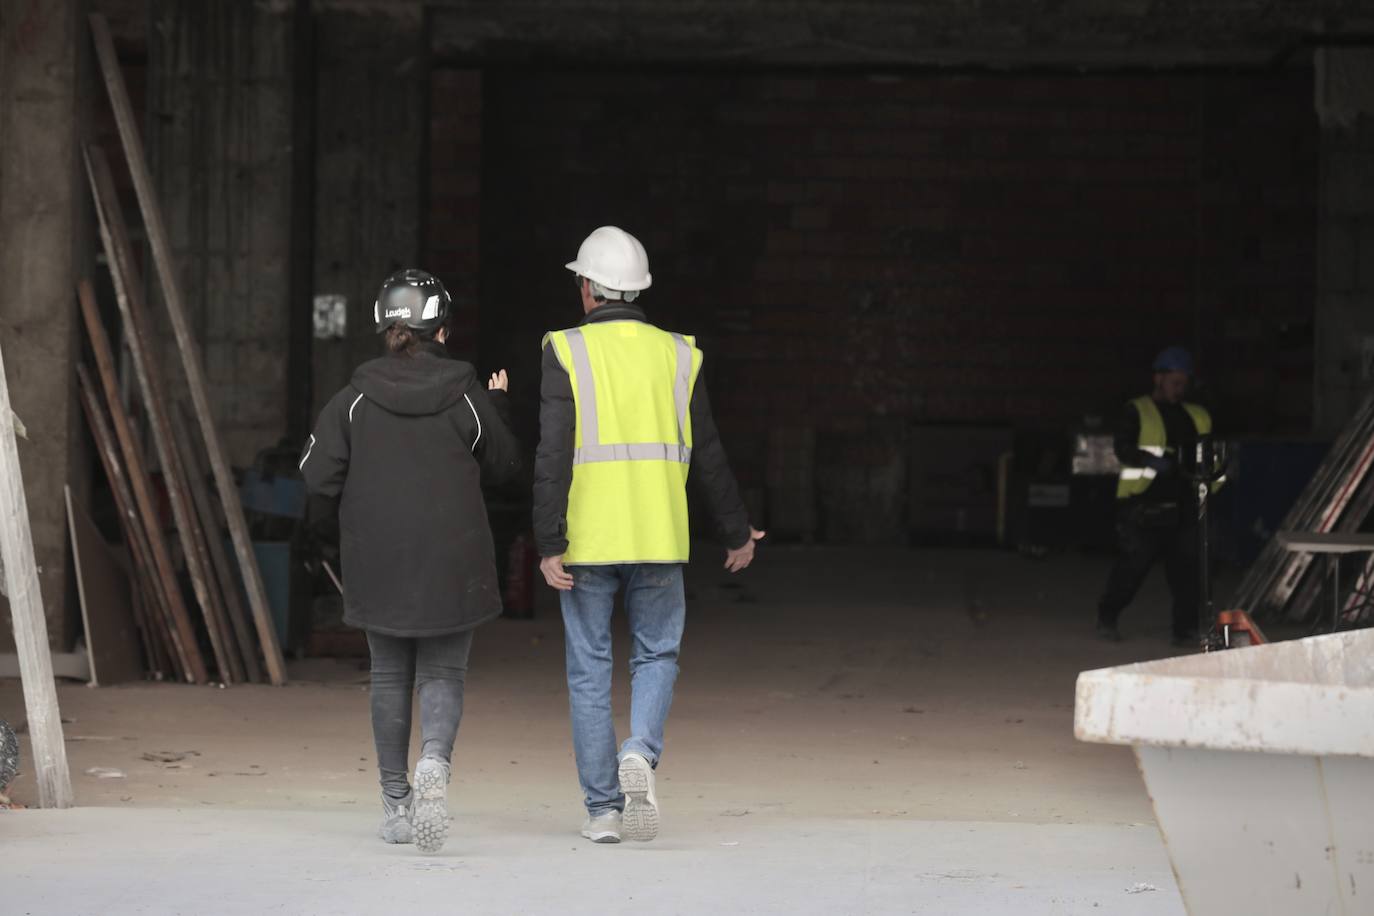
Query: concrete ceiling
point(981, 33)
point(1069, 34)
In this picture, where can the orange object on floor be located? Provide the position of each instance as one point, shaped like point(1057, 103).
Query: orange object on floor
point(1243, 629)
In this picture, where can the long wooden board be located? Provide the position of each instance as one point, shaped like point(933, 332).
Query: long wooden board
point(156, 648)
point(186, 344)
point(154, 609)
point(224, 570)
point(183, 633)
point(106, 603)
point(154, 664)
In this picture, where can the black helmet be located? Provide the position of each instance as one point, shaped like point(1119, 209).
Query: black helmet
point(413, 298)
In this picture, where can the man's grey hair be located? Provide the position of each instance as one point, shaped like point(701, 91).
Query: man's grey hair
point(602, 292)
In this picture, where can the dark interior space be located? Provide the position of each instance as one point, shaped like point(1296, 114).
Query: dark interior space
point(868, 258)
point(883, 248)
point(927, 261)
point(943, 261)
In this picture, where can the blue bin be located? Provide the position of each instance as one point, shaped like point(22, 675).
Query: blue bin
point(1266, 479)
point(281, 496)
point(274, 565)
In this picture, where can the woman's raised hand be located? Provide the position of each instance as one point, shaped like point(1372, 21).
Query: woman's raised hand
point(499, 381)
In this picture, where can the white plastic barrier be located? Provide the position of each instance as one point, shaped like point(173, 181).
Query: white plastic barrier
point(1260, 764)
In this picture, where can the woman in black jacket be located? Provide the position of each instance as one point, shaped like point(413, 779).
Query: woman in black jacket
point(403, 448)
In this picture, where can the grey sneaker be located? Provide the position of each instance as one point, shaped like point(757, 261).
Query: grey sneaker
point(604, 828)
point(396, 826)
point(640, 819)
point(430, 817)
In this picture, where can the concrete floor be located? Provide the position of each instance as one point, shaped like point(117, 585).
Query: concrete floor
point(855, 732)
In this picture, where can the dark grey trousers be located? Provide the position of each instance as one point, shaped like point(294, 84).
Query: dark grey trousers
point(436, 668)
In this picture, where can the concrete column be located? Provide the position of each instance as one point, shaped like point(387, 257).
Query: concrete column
point(43, 250)
point(220, 132)
point(1345, 275)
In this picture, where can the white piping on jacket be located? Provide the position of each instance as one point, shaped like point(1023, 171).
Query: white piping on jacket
point(479, 422)
point(310, 448)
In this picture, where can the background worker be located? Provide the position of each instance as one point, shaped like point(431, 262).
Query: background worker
point(1156, 504)
point(624, 419)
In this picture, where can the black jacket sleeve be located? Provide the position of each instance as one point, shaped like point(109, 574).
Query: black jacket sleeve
point(496, 448)
point(324, 467)
point(553, 463)
point(711, 474)
point(324, 461)
point(1126, 443)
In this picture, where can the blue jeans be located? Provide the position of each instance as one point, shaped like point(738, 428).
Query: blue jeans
point(656, 606)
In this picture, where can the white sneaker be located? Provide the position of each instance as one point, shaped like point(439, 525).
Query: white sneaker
point(640, 819)
point(396, 826)
point(604, 828)
point(430, 815)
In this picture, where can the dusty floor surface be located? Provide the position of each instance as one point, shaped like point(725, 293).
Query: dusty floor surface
point(854, 732)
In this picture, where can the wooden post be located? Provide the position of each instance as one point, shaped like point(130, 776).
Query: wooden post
point(183, 633)
point(30, 624)
point(186, 344)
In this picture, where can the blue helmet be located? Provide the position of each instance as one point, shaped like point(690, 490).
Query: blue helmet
point(1174, 359)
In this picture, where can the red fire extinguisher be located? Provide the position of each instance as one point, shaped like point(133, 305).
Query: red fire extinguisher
point(522, 563)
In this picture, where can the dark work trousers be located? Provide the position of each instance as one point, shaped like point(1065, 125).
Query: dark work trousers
point(436, 667)
point(1146, 533)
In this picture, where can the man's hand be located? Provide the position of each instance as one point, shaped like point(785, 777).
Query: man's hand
point(499, 381)
point(554, 573)
point(740, 558)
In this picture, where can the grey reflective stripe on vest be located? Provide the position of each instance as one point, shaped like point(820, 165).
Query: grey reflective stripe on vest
point(586, 386)
point(682, 389)
point(641, 451)
point(592, 451)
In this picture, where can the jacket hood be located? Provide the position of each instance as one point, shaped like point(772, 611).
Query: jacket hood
point(421, 385)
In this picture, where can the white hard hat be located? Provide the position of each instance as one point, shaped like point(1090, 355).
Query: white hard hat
point(613, 258)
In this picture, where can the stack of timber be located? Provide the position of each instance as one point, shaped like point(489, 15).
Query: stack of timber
point(1339, 499)
point(224, 630)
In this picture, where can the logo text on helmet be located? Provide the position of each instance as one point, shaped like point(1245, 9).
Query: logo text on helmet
point(398, 313)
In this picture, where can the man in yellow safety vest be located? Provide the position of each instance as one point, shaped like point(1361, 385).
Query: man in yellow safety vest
point(624, 421)
point(1156, 504)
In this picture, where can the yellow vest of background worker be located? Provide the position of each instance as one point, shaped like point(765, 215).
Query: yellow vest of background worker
point(1133, 481)
point(632, 388)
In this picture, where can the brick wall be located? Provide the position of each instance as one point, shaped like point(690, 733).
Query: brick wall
point(861, 252)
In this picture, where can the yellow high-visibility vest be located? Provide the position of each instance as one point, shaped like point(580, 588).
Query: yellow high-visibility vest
point(632, 386)
point(1154, 440)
